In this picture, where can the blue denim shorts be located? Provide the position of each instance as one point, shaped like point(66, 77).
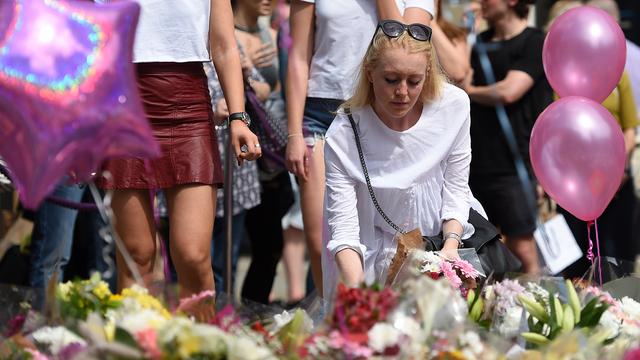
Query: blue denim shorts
point(318, 115)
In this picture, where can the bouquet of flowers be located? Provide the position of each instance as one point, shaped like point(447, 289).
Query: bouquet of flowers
point(79, 298)
point(459, 273)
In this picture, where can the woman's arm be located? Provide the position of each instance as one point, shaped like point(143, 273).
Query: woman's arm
point(506, 91)
point(342, 219)
point(456, 192)
point(302, 34)
point(453, 55)
point(416, 11)
point(251, 75)
point(450, 248)
point(350, 267)
point(226, 59)
point(628, 113)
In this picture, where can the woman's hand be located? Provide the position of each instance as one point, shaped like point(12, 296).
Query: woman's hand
point(245, 143)
point(450, 249)
point(297, 157)
point(264, 55)
point(221, 112)
point(246, 64)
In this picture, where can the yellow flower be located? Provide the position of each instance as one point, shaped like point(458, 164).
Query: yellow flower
point(115, 297)
point(188, 346)
point(141, 296)
point(102, 290)
point(64, 289)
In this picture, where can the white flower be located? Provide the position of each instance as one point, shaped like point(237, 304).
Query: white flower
point(244, 349)
point(188, 338)
point(57, 338)
point(430, 262)
point(382, 336)
point(630, 329)
point(509, 324)
point(539, 293)
point(141, 320)
point(471, 341)
point(631, 308)
point(610, 322)
point(281, 320)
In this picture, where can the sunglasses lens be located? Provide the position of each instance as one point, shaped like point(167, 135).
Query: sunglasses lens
point(392, 29)
point(419, 32)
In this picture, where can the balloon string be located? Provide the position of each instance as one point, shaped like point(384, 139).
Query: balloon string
point(590, 250)
point(598, 251)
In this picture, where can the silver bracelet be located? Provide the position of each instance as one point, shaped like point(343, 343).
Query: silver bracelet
point(456, 236)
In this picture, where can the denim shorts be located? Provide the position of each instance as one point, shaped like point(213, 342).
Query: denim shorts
point(318, 115)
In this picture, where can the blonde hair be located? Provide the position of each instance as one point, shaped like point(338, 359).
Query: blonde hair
point(434, 81)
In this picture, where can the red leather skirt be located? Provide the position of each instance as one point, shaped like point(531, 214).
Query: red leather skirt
point(177, 103)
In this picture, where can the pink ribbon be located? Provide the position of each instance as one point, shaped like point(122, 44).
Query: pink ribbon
point(590, 254)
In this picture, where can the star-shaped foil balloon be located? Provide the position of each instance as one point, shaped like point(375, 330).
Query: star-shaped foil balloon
point(68, 95)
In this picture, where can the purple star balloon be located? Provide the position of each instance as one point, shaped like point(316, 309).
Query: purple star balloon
point(68, 95)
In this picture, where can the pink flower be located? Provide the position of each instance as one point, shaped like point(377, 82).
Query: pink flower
point(632, 354)
point(36, 355)
point(189, 302)
point(336, 340)
point(147, 339)
point(356, 350)
point(466, 269)
point(450, 274)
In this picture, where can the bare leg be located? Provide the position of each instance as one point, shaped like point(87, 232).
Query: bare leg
point(135, 226)
point(191, 213)
point(311, 202)
point(293, 259)
point(524, 247)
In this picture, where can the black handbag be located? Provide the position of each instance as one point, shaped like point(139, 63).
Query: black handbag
point(494, 255)
point(496, 259)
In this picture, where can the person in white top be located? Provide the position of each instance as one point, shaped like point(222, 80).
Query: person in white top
point(329, 38)
point(414, 130)
point(173, 40)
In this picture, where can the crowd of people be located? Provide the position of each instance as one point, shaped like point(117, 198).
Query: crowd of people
point(352, 123)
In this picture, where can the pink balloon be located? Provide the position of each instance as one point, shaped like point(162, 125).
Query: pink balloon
point(68, 95)
point(578, 155)
point(584, 53)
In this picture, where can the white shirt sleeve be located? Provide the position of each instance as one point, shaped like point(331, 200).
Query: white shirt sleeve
point(456, 195)
point(427, 5)
point(341, 207)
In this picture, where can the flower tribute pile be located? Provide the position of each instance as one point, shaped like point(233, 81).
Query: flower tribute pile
point(437, 310)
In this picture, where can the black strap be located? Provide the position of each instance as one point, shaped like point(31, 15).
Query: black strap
point(366, 175)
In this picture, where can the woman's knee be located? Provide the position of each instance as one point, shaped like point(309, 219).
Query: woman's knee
point(191, 257)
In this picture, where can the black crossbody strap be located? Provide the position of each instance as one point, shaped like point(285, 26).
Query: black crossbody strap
point(366, 175)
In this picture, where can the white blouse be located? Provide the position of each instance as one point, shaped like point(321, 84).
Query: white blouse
point(419, 176)
point(171, 31)
point(343, 30)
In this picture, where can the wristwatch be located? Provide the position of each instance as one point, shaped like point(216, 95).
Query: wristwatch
point(242, 116)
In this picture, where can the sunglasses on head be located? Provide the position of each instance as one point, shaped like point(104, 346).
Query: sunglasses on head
point(394, 29)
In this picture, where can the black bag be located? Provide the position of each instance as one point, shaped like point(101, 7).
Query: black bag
point(495, 257)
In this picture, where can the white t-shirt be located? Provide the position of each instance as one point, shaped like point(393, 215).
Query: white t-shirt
point(343, 30)
point(172, 31)
point(419, 176)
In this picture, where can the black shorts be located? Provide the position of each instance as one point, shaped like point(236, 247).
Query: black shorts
point(505, 202)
